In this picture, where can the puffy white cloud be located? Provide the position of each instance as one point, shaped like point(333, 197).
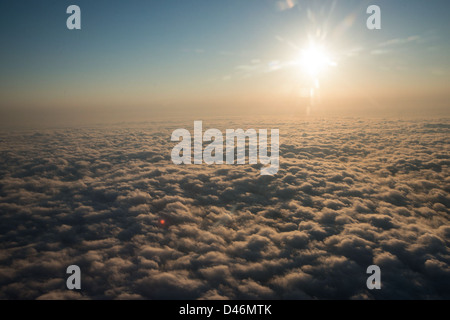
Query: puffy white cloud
point(349, 193)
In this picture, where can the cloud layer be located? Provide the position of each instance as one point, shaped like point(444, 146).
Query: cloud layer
point(349, 193)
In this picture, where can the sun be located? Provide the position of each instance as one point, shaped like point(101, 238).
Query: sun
point(314, 60)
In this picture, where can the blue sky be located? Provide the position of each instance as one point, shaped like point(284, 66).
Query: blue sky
point(153, 53)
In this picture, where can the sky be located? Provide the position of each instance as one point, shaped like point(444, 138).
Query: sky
point(181, 56)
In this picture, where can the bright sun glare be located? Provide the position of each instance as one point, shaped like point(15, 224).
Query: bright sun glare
point(314, 60)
